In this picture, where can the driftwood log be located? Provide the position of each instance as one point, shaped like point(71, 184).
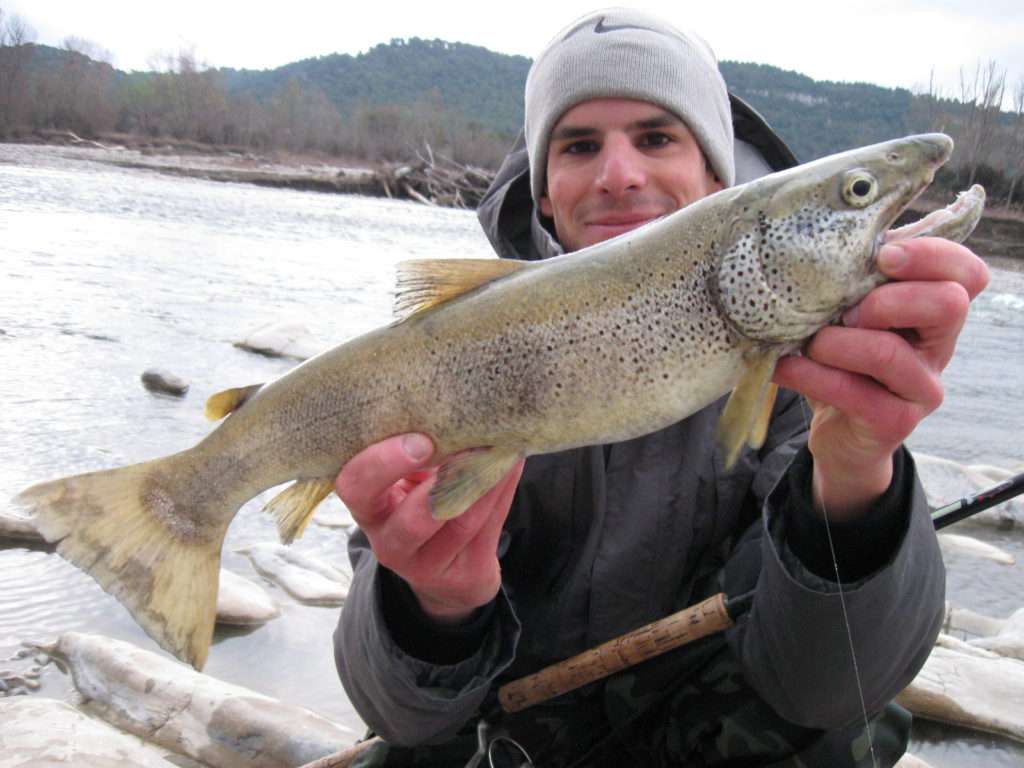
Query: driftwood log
point(436, 180)
point(431, 179)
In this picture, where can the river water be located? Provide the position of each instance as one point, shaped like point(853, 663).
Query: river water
point(105, 272)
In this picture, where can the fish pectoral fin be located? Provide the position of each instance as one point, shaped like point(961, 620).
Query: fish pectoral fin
point(749, 409)
point(228, 401)
point(467, 476)
point(425, 283)
point(759, 429)
point(293, 507)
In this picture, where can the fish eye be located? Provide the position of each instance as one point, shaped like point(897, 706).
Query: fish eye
point(860, 188)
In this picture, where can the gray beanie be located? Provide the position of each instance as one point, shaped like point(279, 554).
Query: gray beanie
point(622, 53)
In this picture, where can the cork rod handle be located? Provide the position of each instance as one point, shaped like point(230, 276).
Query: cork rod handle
point(680, 628)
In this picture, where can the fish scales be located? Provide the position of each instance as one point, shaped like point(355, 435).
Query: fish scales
point(500, 360)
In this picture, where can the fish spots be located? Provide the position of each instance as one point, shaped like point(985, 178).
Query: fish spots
point(785, 276)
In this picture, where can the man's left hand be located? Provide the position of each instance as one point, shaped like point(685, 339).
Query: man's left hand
point(873, 379)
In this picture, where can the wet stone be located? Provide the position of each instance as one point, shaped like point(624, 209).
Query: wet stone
point(164, 382)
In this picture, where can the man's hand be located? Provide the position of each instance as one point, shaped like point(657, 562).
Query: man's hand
point(873, 379)
point(452, 566)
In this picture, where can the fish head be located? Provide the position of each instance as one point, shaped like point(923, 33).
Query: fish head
point(803, 243)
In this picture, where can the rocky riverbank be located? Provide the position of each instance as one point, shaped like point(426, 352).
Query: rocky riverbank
point(431, 179)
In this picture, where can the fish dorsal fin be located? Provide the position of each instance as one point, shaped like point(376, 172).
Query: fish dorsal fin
point(425, 283)
point(228, 401)
point(748, 411)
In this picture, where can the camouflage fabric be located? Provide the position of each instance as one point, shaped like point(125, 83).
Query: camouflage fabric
point(690, 707)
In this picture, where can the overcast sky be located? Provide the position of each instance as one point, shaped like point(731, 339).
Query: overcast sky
point(888, 42)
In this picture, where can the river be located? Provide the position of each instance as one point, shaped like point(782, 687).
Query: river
point(105, 272)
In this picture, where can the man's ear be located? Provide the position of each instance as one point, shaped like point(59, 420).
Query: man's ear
point(545, 206)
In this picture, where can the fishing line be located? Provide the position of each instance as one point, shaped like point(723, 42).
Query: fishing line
point(846, 615)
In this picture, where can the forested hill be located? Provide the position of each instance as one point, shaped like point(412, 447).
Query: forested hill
point(484, 86)
point(402, 93)
point(816, 118)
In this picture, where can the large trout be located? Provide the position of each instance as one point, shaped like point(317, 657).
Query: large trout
point(498, 360)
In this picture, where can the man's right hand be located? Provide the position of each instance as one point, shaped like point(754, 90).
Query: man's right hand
point(451, 565)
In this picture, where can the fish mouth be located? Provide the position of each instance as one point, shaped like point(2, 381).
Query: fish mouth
point(933, 149)
point(962, 212)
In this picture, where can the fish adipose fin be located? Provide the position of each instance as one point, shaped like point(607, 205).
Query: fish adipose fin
point(749, 409)
point(425, 283)
point(129, 530)
point(466, 477)
point(293, 508)
point(228, 401)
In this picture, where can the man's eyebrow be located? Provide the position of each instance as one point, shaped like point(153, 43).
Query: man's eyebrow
point(661, 120)
point(572, 132)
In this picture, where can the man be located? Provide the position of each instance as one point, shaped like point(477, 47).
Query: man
point(628, 119)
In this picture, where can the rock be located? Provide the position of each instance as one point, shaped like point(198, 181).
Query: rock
point(165, 702)
point(954, 542)
point(308, 579)
point(241, 602)
point(18, 527)
point(164, 382)
point(909, 761)
point(333, 514)
point(1009, 640)
point(282, 339)
point(966, 620)
point(41, 733)
point(969, 687)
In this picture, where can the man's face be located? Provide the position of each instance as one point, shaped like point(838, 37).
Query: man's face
point(614, 164)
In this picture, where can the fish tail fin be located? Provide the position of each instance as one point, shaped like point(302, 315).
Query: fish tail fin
point(157, 553)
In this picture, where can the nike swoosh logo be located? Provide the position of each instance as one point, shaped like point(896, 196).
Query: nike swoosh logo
point(601, 28)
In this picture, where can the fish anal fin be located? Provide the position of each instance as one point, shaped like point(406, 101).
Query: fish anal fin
point(293, 507)
point(748, 410)
point(228, 401)
point(425, 283)
point(467, 476)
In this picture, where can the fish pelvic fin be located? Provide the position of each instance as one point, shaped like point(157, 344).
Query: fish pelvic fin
point(228, 401)
point(125, 528)
point(425, 283)
point(293, 508)
point(467, 476)
point(749, 408)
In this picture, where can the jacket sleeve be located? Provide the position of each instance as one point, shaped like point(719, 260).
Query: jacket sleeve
point(807, 641)
point(403, 699)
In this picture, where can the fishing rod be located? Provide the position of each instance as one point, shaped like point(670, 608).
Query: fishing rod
point(715, 614)
point(967, 506)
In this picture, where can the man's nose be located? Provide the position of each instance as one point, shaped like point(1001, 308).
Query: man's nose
point(621, 168)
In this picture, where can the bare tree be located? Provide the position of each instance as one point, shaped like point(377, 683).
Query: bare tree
point(926, 109)
point(80, 94)
point(982, 97)
point(15, 56)
point(1016, 140)
point(87, 48)
point(186, 100)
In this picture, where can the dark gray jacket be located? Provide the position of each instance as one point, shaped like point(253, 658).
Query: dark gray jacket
point(601, 540)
